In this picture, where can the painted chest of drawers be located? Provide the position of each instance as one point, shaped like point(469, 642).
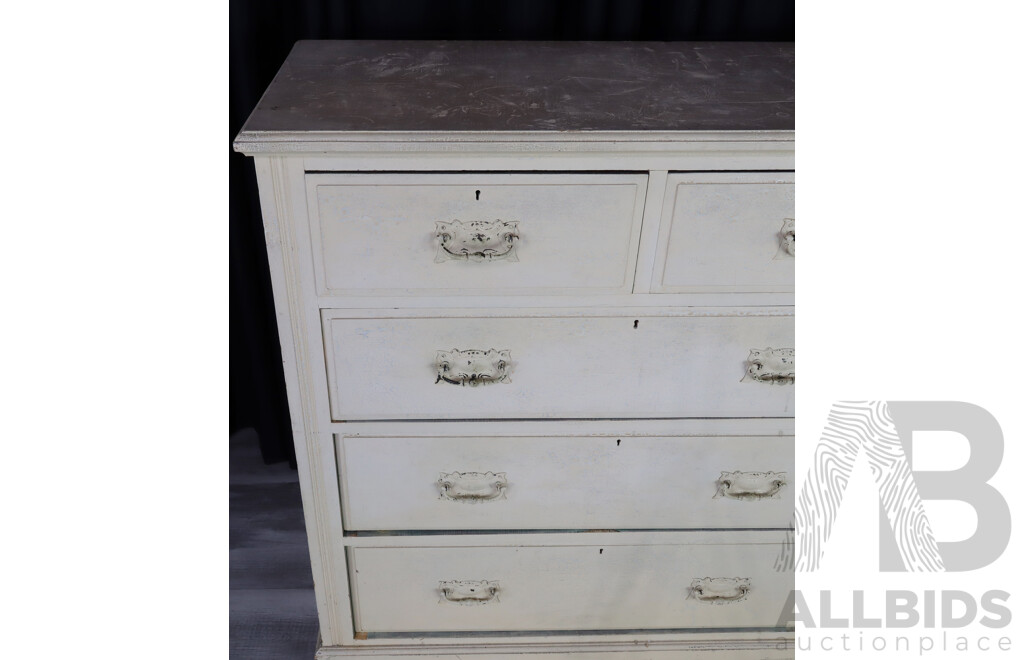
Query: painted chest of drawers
point(535, 303)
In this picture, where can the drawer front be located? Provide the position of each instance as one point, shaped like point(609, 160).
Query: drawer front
point(559, 588)
point(503, 364)
point(559, 482)
point(727, 232)
point(408, 234)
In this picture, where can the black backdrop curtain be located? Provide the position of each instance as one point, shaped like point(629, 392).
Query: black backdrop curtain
point(262, 33)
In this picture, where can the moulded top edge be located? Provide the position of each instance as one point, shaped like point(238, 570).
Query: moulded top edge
point(253, 142)
point(515, 136)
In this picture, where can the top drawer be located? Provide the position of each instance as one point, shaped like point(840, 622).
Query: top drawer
point(436, 234)
point(726, 232)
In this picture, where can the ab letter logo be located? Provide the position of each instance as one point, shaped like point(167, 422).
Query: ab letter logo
point(882, 430)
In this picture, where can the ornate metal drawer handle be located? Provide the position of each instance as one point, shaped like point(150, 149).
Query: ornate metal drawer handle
point(473, 367)
point(477, 240)
point(771, 365)
point(750, 485)
point(470, 592)
point(787, 237)
point(472, 486)
point(720, 590)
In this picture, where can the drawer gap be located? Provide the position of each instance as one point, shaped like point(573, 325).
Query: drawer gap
point(568, 633)
point(550, 419)
point(472, 172)
point(481, 532)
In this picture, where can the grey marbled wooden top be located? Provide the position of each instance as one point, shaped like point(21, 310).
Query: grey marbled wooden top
point(529, 86)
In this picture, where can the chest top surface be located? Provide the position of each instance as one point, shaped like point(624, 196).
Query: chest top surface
point(466, 86)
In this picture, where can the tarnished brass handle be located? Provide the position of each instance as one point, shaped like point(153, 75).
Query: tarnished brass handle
point(771, 365)
point(473, 367)
point(469, 592)
point(750, 485)
point(477, 240)
point(472, 486)
point(719, 590)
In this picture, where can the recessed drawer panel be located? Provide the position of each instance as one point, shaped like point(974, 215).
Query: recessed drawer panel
point(407, 234)
point(507, 364)
point(582, 587)
point(480, 482)
point(727, 232)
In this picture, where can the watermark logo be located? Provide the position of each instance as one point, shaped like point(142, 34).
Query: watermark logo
point(882, 430)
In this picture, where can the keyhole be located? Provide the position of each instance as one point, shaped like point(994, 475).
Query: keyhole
point(636, 323)
point(601, 551)
point(618, 442)
point(478, 195)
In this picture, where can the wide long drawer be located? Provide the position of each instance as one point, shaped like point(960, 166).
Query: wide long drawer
point(408, 234)
point(594, 363)
point(473, 479)
point(580, 587)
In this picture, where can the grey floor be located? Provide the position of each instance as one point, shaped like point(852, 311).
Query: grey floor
point(273, 613)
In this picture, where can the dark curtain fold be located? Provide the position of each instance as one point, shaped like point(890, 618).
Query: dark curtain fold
point(262, 33)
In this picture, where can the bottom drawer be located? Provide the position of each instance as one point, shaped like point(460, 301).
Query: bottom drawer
point(570, 588)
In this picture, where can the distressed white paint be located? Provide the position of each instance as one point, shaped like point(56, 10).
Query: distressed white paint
point(283, 206)
point(581, 587)
point(561, 482)
point(375, 234)
point(286, 163)
point(722, 232)
point(584, 364)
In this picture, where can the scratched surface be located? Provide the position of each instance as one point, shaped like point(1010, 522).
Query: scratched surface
point(529, 86)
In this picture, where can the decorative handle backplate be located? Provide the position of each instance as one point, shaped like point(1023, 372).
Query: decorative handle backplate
point(469, 592)
point(787, 237)
point(771, 365)
point(472, 486)
point(473, 367)
point(477, 240)
point(720, 590)
point(750, 485)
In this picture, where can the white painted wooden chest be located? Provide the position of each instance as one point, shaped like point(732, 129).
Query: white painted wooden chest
point(535, 303)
